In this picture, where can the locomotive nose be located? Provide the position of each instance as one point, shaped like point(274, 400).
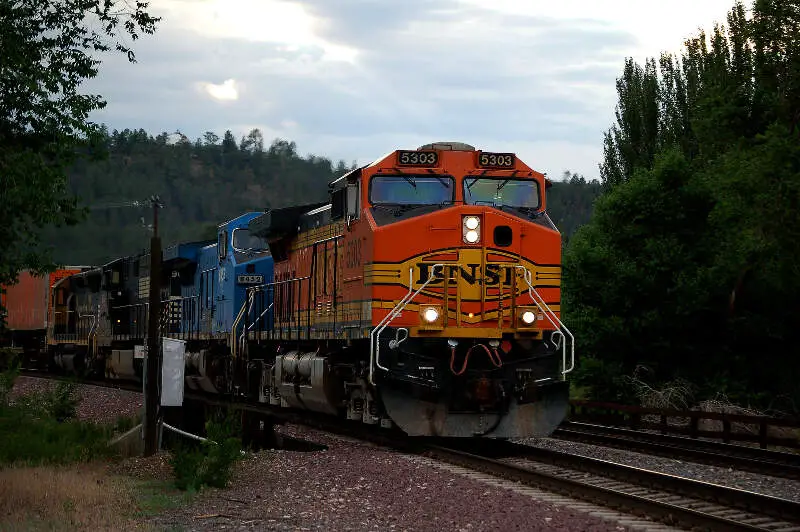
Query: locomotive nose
point(483, 226)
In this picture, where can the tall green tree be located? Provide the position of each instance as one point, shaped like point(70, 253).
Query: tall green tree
point(689, 266)
point(48, 48)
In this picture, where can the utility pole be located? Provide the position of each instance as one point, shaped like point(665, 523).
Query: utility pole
point(152, 397)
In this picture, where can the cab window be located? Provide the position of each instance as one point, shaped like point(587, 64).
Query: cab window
point(411, 190)
point(502, 192)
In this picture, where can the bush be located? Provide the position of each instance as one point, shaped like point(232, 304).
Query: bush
point(7, 379)
point(9, 358)
point(39, 428)
point(209, 463)
point(59, 403)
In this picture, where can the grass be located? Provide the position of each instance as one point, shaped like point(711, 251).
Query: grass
point(80, 497)
point(156, 496)
point(72, 497)
point(54, 471)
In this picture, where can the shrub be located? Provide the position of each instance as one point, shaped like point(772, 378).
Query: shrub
point(7, 379)
point(36, 440)
point(59, 403)
point(39, 428)
point(209, 463)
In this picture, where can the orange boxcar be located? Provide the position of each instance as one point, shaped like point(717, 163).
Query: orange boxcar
point(27, 303)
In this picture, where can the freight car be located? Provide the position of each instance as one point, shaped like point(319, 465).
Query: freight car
point(26, 305)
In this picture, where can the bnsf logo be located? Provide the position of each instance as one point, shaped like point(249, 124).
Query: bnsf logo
point(468, 273)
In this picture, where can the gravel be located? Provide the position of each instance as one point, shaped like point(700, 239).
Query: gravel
point(98, 404)
point(768, 485)
point(356, 486)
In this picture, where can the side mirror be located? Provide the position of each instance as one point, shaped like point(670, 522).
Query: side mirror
point(352, 201)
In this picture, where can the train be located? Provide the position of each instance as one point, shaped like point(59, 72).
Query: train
point(424, 294)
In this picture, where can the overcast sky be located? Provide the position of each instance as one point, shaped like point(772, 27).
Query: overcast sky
point(356, 79)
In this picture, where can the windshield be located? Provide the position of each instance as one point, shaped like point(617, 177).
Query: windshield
point(500, 192)
point(244, 241)
point(411, 189)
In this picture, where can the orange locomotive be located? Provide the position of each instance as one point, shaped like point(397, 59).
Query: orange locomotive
point(425, 294)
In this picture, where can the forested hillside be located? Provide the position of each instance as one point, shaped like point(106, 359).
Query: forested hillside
point(210, 180)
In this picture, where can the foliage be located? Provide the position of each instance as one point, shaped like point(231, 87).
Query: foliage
point(570, 203)
point(59, 403)
point(689, 265)
point(7, 378)
point(209, 181)
point(201, 185)
point(209, 463)
point(38, 429)
point(49, 48)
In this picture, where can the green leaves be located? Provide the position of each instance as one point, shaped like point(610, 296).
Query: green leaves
point(49, 48)
point(690, 264)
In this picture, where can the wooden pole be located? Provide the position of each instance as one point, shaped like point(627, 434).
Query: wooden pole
point(152, 397)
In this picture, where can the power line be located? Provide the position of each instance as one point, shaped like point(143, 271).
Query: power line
point(120, 204)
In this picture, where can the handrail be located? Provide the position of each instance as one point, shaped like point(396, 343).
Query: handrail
point(548, 312)
point(374, 343)
point(239, 317)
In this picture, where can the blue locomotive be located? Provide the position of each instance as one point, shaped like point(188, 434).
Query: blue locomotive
point(98, 318)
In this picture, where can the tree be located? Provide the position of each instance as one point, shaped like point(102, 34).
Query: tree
point(689, 265)
point(48, 48)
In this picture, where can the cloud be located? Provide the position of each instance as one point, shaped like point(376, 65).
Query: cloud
point(226, 91)
point(355, 79)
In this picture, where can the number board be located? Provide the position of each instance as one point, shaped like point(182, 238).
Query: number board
point(496, 160)
point(250, 279)
point(418, 158)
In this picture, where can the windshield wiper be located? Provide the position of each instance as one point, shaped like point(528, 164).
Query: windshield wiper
point(530, 211)
point(441, 180)
point(413, 183)
point(501, 185)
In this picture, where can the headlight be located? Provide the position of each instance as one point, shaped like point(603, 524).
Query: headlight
point(471, 227)
point(430, 314)
point(528, 317)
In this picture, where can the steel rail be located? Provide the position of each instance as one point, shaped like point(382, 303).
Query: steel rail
point(754, 460)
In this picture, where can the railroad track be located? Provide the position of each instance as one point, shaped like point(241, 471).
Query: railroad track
point(673, 500)
point(754, 460)
point(668, 499)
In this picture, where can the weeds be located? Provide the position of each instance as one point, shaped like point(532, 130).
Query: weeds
point(7, 378)
point(676, 394)
point(59, 403)
point(210, 463)
point(74, 497)
point(40, 428)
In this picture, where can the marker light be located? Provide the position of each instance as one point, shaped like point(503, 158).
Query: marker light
point(471, 222)
point(430, 315)
point(471, 236)
point(528, 317)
